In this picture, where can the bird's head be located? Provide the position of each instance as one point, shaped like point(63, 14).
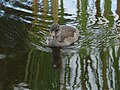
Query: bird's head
point(54, 30)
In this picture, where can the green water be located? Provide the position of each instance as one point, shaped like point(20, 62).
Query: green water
point(92, 63)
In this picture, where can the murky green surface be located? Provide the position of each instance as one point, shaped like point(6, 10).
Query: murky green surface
point(93, 63)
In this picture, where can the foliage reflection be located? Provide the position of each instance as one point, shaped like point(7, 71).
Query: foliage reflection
point(92, 63)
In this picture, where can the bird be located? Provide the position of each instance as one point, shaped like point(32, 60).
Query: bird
point(62, 35)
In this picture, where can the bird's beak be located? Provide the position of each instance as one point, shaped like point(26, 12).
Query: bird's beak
point(52, 34)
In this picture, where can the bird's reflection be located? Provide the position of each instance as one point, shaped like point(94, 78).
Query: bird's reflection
point(56, 58)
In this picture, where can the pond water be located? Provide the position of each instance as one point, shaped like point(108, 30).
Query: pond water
point(92, 63)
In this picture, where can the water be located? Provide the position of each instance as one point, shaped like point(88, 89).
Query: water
point(92, 63)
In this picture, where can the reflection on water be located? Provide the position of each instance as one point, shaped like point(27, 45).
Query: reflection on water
point(92, 63)
point(56, 58)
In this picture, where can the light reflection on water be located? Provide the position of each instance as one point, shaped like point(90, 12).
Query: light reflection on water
point(93, 63)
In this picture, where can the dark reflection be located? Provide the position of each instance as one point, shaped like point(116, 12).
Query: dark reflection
point(56, 58)
point(61, 17)
point(12, 69)
point(116, 67)
point(78, 9)
point(83, 20)
point(118, 8)
point(12, 33)
point(108, 13)
point(14, 49)
point(118, 13)
point(84, 72)
point(98, 11)
point(39, 72)
point(104, 56)
point(54, 4)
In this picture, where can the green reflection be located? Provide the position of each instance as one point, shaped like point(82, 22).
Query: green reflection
point(39, 71)
point(61, 18)
point(108, 13)
point(83, 17)
point(91, 64)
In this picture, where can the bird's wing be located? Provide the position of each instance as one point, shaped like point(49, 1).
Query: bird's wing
point(66, 32)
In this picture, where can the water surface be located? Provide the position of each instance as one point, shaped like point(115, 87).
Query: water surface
point(92, 63)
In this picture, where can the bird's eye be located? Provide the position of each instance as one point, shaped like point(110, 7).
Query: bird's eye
point(57, 29)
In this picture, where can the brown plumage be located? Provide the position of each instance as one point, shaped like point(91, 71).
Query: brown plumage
point(62, 35)
point(67, 31)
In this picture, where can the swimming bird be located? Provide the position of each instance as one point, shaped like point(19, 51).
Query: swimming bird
point(62, 35)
